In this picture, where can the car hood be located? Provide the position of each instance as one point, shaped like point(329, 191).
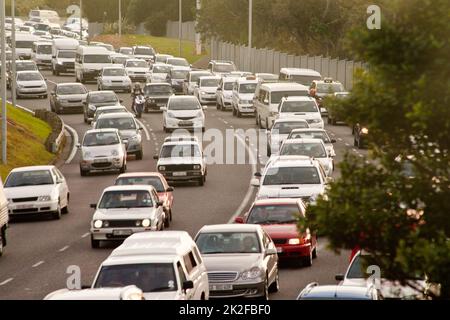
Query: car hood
point(101, 151)
point(208, 89)
point(185, 113)
point(179, 160)
point(121, 214)
point(172, 295)
point(281, 230)
point(29, 191)
point(231, 262)
point(290, 191)
point(127, 134)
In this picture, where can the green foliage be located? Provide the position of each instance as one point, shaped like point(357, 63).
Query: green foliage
point(113, 27)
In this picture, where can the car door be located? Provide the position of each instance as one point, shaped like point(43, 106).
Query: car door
point(61, 186)
point(182, 278)
point(270, 260)
point(159, 211)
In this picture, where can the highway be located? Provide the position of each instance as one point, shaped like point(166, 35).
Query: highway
point(40, 250)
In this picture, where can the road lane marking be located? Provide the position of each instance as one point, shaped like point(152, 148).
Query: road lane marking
point(6, 281)
point(354, 150)
point(37, 264)
point(339, 139)
point(75, 139)
point(85, 235)
point(145, 129)
point(63, 249)
point(347, 145)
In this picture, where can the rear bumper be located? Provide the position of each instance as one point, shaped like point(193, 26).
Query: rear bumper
point(293, 252)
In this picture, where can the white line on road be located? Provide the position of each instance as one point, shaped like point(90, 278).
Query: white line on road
point(339, 139)
point(225, 122)
point(6, 281)
point(145, 129)
point(354, 150)
point(75, 139)
point(85, 235)
point(63, 249)
point(37, 264)
point(347, 145)
point(360, 155)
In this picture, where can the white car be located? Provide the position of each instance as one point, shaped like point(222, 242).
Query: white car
point(302, 107)
point(162, 58)
point(314, 148)
point(125, 293)
point(225, 93)
point(118, 59)
point(206, 89)
point(183, 112)
point(138, 70)
point(191, 80)
point(243, 94)
point(315, 134)
point(127, 51)
point(30, 84)
point(146, 53)
point(107, 109)
point(102, 150)
point(179, 63)
point(159, 72)
point(114, 78)
point(37, 190)
point(182, 160)
point(291, 177)
point(280, 131)
point(124, 210)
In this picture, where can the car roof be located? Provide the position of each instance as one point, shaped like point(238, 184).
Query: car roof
point(292, 161)
point(32, 168)
point(175, 138)
point(134, 187)
point(283, 86)
point(69, 84)
point(303, 140)
point(230, 228)
point(243, 80)
point(337, 292)
point(157, 84)
point(100, 92)
point(29, 71)
point(140, 174)
point(92, 294)
point(176, 58)
point(300, 71)
point(209, 78)
point(298, 98)
point(110, 108)
point(182, 142)
point(134, 60)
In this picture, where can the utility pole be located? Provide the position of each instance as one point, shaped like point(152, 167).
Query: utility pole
point(120, 18)
point(198, 38)
point(81, 19)
point(3, 82)
point(180, 23)
point(250, 23)
point(13, 51)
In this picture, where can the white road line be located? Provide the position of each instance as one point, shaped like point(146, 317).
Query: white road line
point(339, 139)
point(63, 249)
point(360, 155)
point(145, 129)
point(347, 145)
point(225, 122)
point(85, 235)
point(6, 281)
point(37, 264)
point(354, 150)
point(75, 139)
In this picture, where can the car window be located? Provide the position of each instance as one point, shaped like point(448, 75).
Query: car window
point(103, 97)
point(311, 135)
point(189, 262)
point(181, 273)
point(228, 242)
point(29, 178)
point(185, 150)
point(247, 88)
point(150, 181)
point(284, 127)
point(100, 139)
point(183, 104)
point(126, 199)
point(276, 96)
point(114, 72)
point(292, 175)
point(125, 123)
point(299, 106)
point(273, 214)
point(70, 89)
point(314, 150)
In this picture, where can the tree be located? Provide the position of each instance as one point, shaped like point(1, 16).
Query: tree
point(403, 100)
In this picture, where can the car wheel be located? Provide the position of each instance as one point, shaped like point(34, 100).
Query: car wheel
point(56, 72)
point(239, 114)
point(307, 261)
point(65, 210)
point(269, 151)
point(275, 286)
point(85, 117)
point(95, 244)
point(267, 124)
point(266, 290)
point(170, 214)
point(333, 121)
point(201, 181)
point(314, 253)
point(57, 214)
point(139, 155)
point(83, 173)
point(167, 221)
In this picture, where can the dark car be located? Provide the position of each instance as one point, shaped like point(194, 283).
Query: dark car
point(157, 95)
point(96, 99)
point(68, 97)
point(315, 292)
point(176, 79)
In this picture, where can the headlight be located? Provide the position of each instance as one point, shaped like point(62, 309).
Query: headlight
point(203, 92)
point(98, 224)
point(60, 63)
point(162, 168)
point(294, 241)
point(44, 198)
point(146, 223)
point(92, 107)
point(245, 101)
point(197, 167)
point(106, 81)
point(115, 153)
point(253, 273)
point(87, 155)
point(364, 131)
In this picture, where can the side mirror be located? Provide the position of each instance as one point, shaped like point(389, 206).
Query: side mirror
point(339, 277)
point(255, 183)
point(120, 100)
point(188, 285)
point(155, 157)
point(169, 189)
point(93, 205)
point(271, 251)
point(239, 220)
point(159, 204)
point(258, 174)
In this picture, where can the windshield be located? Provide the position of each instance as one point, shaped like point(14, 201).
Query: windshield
point(136, 64)
point(125, 123)
point(228, 242)
point(163, 89)
point(44, 49)
point(329, 87)
point(126, 199)
point(272, 214)
point(147, 181)
point(209, 83)
point(162, 59)
point(178, 62)
point(24, 44)
point(97, 58)
point(247, 88)
point(100, 139)
point(314, 150)
point(29, 76)
point(224, 68)
point(291, 175)
point(311, 135)
point(304, 80)
point(29, 178)
point(99, 111)
point(178, 74)
point(71, 89)
point(181, 150)
point(119, 60)
point(299, 106)
point(66, 54)
point(276, 96)
point(149, 277)
point(184, 104)
point(103, 97)
point(161, 69)
point(126, 51)
point(24, 66)
point(287, 127)
point(114, 72)
point(196, 76)
point(228, 86)
point(144, 51)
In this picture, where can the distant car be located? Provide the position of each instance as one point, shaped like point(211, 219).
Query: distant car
point(243, 94)
point(114, 78)
point(225, 93)
point(30, 84)
point(191, 80)
point(21, 65)
point(138, 70)
point(97, 99)
point(146, 53)
point(176, 78)
point(315, 292)
point(39, 190)
point(119, 59)
point(102, 150)
point(315, 134)
point(155, 179)
point(159, 72)
point(241, 260)
point(221, 67)
point(281, 130)
point(319, 89)
point(124, 210)
point(68, 97)
point(303, 108)
point(125, 293)
point(107, 109)
point(127, 51)
point(157, 96)
point(179, 63)
point(206, 89)
point(162, 58)
point(183, 112)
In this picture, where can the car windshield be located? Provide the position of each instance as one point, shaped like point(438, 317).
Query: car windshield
point(26, 66)
point(304, 80)
point(44, 49)
point(180, 150)
point(178, 62)
point(29, 76)
point(97, 58)
point(247, 88)
point(314, 150)
point(125, 123)
point(119, 60)
point(114, 72)
point(149, 277)
point(178, 74)
point(228, 242)
point(299, 106)
point(147, 181)
point(161, 59)
point(162, 89)
point(100, 139)
point(71, 89)
point(209, 83)
point(276, 96)
point(137, 64)
point(272, 214)
point(144, 51)
point(228, 86)
point(29, 178)
point(161, 69)
point(184, 104)
point(103, 97)
point(291, 175)
point(287, 127)
point(196, 76)
point(24, 44)
point(126, 51)
point(224, 68)
point(329, 87)
point(126, 199)
point(66, 54)
point(311, 135)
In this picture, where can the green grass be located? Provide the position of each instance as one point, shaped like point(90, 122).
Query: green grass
point(160, 44)
point(26, 139)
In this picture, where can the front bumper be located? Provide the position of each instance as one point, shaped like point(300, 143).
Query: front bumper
point(173, 123)
point(191, 175)
point(65, 67)
point(139, 78)
point(115, 234)
point(155, 104)
point(293, 251)
point(104, 164)
point(248, 290)
point(116, 86)
point(90, 75)
point(207, 98)
point(35, 207)
point(44, 63)
point(246, 108)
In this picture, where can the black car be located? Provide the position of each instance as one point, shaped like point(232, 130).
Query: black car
point(68, 97)
point(157, 95)
point(176, 79)
point(97, 99)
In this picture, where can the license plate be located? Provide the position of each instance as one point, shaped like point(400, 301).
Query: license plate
point(25, 206)
point(180, 174)
point(185, 123)
point(221, 287)
point(122, 232)
point(279, 249)
point(100, 160)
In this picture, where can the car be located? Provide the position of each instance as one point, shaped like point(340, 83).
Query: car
point(162, 58)
point(224, 94)
point(126, 51)
point(183, 112)
point(125, 293)
point(191, 80)
point(40, 190)
point(107, 109)
point(315, 292)
point(138, 70)
point(89, 62)
point(303, 108)
point(118, 59)
point(21, 65)
point(292, 177)
point(206, 89)
point(179, 63)
point(114, 78)
point(299, 75)
point(241, 260)
point(30, 84)
point(176, 78)
point(129, 130)
point(42, 53)
point(27, 29)
point(166, 265)
point(182, 160)
point(97, 99)
point(157, 96)
point(332, 117)
point(102, 150)
point(24, 43)
point(63, 55)
point(155, 179)
point(180, 137)
point(107, 46)
point(360, 135)
point(146, 53)
point(159, 72)
point(280, 131)
point(4, 218)
point(279, 218)
point(124, 210)
point(221, 67)
point(68, 97)
point(266, 76)
point(242, 96)
point(315, 134)
point(319, 89)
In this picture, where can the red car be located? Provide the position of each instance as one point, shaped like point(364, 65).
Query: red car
point(278, 218)
point(155, 179)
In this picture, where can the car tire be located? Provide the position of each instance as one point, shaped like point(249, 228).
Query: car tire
point(123, 169)
point(56, 72)
point(83, 173)
point(57, 214)
point(275, 286)
point(201, 181)
point(65, 210)
point(269, 151)
point(167, 221)
point(95, 244)
point(266, 289)
point(355, 142)
point(308, 261)
point(239, 114)
point(139, 155)
point(314, 253)
point(234, 111)
point(170, 215)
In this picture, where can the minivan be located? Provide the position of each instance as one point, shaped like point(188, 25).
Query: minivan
point(42, 53)
point(89, 61)
point(24, 45)
point(299, 75)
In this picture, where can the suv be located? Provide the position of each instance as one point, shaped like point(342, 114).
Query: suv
point(182, 161)
point(319, 89)
point(221, 67)
point(302, 107)
point(243, 94)
point(144, 52)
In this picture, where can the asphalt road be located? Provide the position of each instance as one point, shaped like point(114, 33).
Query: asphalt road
point(39, 251)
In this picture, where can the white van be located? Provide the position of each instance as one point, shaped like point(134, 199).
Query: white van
point(4, 218)
point(50, 15)
point(42, 53)
point(299, 75)
point(165, 265)
point(63, 55)
point(89, 62)
point(24, 45)
point(268, 96)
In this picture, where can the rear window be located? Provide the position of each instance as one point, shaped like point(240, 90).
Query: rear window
point(276, 96)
